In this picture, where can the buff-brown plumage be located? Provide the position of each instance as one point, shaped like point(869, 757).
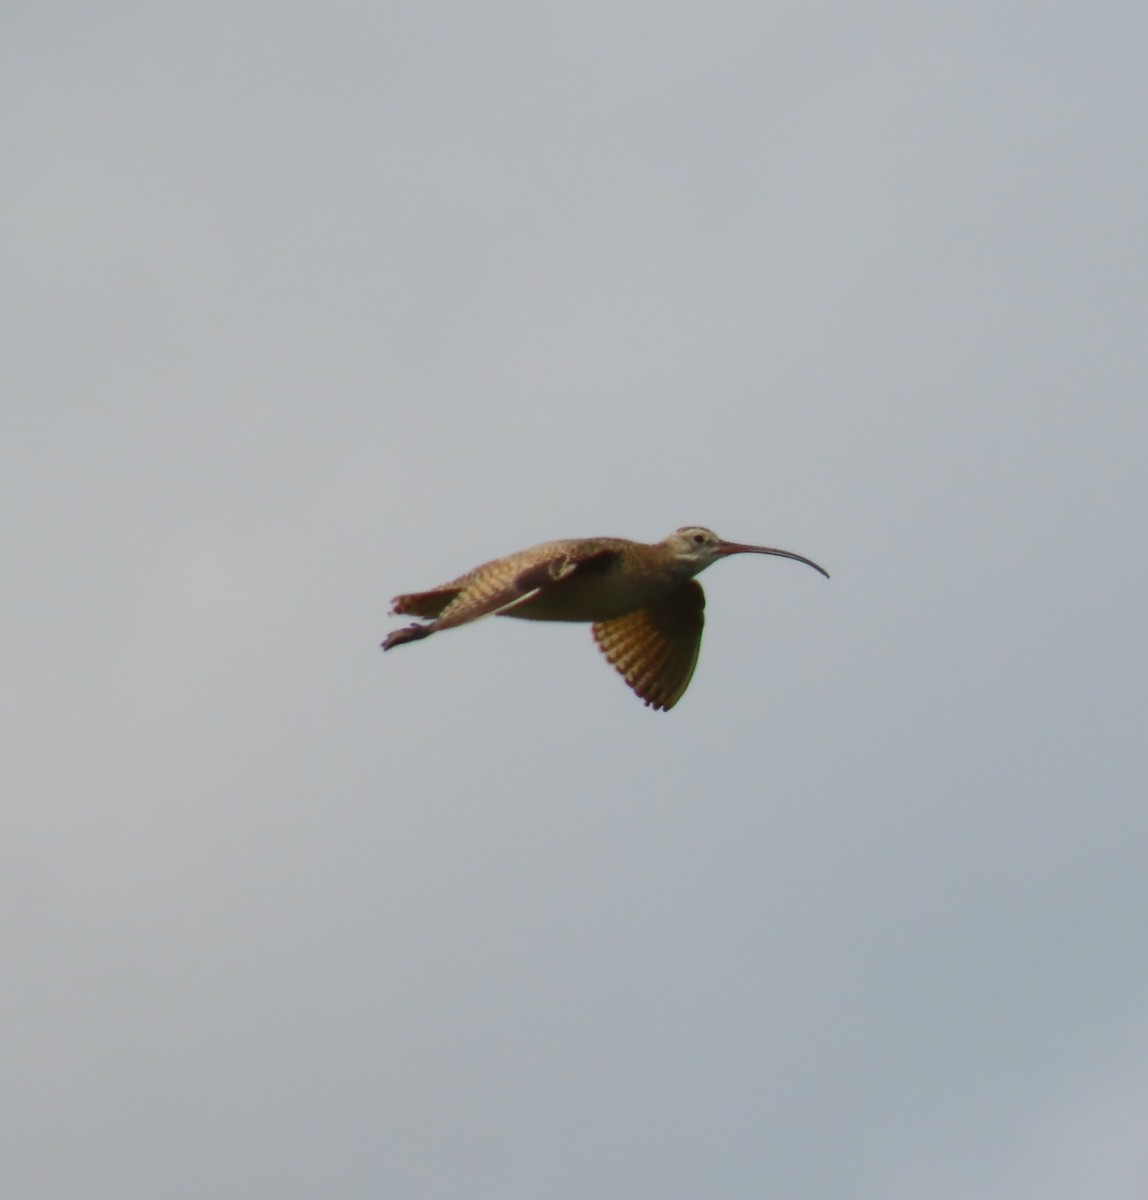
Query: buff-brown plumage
point(655, 649)
point(646, 609)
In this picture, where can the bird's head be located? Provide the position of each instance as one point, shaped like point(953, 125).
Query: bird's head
point(696, 547)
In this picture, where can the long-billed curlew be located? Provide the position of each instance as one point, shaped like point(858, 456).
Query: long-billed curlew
point(644, 603)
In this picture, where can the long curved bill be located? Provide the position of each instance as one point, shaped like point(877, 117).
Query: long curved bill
point(725, 548)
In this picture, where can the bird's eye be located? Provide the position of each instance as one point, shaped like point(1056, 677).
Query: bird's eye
point(699, 539)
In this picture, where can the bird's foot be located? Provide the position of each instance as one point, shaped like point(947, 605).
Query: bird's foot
point(411, 633)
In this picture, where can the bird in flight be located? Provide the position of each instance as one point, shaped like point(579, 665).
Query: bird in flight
point(645, 606)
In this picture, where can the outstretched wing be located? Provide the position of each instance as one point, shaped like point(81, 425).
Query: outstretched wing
point(504, 584)
point(656, 649)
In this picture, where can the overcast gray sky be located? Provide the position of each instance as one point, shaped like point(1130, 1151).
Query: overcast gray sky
point(306, 305)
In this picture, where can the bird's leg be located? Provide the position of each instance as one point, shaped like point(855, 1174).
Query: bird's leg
point(411, 633)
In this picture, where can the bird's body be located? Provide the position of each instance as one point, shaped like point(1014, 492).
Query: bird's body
point(645, 607)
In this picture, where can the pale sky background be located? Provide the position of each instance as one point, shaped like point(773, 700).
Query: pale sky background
point(306, 305)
